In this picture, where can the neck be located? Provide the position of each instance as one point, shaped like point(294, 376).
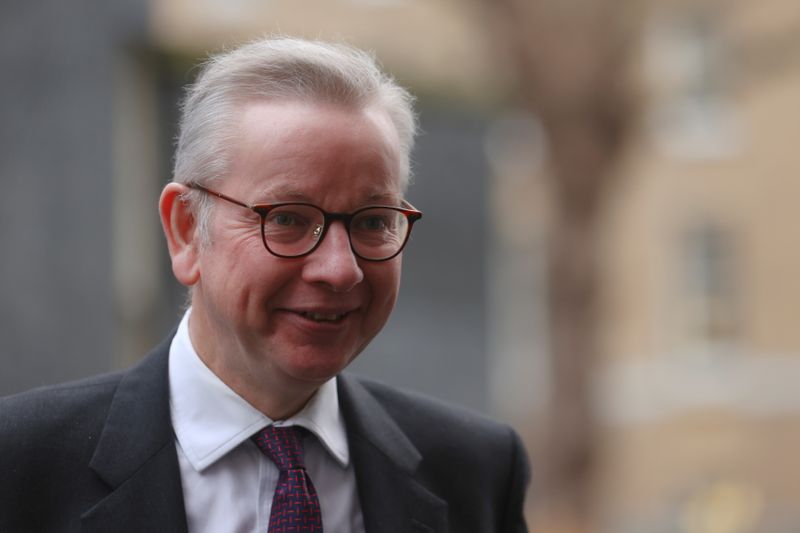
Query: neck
point(278, 406)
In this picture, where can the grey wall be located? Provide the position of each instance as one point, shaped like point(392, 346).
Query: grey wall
point(56, 70)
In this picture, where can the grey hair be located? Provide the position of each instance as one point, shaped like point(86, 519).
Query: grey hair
point(285, 69)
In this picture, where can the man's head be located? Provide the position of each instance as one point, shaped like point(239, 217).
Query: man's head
point(279, 69)
point(305, 123)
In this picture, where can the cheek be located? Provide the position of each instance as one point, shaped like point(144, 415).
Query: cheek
point(384, 282)
point(259, 278)
point(237, 272)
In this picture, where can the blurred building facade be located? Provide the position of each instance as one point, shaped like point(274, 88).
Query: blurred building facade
point(695, 394)
point(695, 390)
point(702, 347)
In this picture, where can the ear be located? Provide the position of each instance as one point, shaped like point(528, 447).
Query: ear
point(179, 227)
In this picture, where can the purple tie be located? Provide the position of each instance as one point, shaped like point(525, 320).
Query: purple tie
point(295, 506)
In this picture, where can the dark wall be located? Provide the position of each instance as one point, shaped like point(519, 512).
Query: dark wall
point(57, 60)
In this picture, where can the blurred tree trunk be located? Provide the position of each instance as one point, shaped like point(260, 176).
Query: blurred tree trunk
point(569, 61)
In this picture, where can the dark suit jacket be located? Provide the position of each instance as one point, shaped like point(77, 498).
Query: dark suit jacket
point(99, 456)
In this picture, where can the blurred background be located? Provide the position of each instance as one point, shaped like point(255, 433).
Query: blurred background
point(606, 260)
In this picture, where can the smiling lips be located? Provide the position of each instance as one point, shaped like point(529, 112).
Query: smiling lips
point(324, 317)
point(321, 316)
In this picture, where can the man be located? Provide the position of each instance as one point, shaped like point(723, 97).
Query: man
point(286, 220)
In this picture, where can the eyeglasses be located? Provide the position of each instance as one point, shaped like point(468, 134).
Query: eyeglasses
point(290, 229)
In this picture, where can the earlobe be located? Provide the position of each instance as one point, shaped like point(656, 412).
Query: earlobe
point(179, 226)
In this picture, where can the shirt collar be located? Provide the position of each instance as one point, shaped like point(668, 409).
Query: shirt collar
point(210, 419)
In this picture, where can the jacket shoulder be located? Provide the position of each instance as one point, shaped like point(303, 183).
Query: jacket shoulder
point(55, 415)
point(48, 439)
point(450, 436)
point(71, 410)
point(413, 410)
point(477, 464)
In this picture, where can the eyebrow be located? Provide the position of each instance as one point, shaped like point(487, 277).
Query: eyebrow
point(294, 195)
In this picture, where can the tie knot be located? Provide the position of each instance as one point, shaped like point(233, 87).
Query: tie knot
point(283, 445)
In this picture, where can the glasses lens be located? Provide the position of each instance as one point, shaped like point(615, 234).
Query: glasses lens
point(378, 232)
point(292, 229)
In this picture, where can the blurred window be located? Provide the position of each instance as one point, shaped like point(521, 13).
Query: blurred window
point(709, 300)
point(686, 66)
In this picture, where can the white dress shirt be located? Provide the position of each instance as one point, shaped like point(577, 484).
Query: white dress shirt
point(227, 482)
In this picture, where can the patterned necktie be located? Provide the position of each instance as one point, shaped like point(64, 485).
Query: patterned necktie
point(295, 506)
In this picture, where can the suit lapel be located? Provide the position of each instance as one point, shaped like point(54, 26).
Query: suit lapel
point(136, 456)
point(392, 499)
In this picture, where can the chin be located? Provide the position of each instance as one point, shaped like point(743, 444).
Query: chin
point(316, 371)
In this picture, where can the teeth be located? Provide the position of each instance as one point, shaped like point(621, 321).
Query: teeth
point(323, 317)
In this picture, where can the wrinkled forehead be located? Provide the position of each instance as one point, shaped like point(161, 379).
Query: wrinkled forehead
point(387, 129)
point(296, 151)
point(378, 192)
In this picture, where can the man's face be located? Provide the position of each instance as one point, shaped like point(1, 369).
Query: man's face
point(260, 320)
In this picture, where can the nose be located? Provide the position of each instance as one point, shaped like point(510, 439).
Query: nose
point(333, 263)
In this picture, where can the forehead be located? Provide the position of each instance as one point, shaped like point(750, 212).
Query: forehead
point(301, 150)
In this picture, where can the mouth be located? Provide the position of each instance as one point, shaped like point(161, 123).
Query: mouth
point(322, 317)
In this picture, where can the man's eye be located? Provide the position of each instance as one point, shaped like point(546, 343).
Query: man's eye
point(373, 223)
point(283, 219)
